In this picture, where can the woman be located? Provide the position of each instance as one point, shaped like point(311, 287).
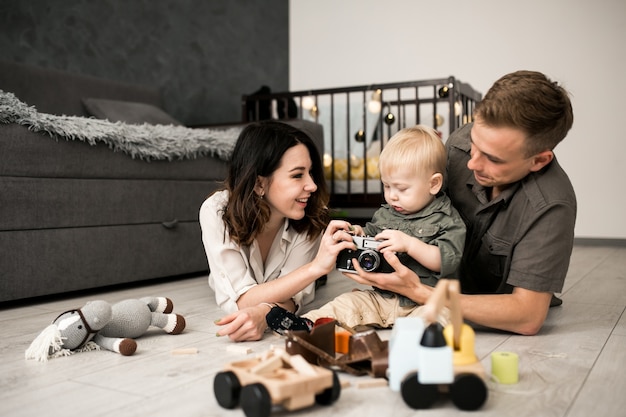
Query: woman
point(264, 232)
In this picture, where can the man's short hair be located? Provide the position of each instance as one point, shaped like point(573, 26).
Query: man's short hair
point(529, 101)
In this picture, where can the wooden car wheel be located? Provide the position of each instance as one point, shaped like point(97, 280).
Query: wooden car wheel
point(330, 394)
point(468, 392)
point(256, 401)
point(227, 388)
point(417, 395)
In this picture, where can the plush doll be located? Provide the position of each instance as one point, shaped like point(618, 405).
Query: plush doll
point(99, 324)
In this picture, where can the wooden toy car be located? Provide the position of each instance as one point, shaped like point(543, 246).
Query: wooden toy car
point(425, 360)
point(275, 378)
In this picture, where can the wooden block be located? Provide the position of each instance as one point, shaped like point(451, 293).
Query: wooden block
point(301, 366)
point(372, 383)
point(268, 365)
point(342, 341)
point(185, 351)
point(236, 348)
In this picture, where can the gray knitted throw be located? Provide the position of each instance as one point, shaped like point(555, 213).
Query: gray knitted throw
point(147, 142)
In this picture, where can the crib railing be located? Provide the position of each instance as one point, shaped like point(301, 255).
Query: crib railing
point(358, 121)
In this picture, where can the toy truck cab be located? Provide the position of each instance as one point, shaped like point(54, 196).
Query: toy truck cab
point(405, 336)
point(276, 378)
point(426, 359)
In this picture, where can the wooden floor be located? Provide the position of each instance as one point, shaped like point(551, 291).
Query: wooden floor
point(575, 367)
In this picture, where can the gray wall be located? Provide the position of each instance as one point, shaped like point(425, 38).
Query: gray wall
point(202, 54)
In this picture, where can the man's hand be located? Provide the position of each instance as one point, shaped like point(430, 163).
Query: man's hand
point(402, 281)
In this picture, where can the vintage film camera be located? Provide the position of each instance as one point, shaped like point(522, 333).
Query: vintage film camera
point(366, 254)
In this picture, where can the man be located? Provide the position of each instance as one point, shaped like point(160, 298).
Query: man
point(518, 205)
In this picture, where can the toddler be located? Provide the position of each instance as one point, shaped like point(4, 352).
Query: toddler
point(418, 222)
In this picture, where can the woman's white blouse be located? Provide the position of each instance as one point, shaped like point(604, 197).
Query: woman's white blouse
point(235, 269)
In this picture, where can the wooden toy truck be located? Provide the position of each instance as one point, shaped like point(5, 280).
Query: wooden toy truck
point(360, 353)
point(425, 359)
point(275, 378)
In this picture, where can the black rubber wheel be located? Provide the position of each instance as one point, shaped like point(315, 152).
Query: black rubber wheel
point(330, 394)
point(256, 401)
point(227, 388)
point(418, 396)
point(468, 392)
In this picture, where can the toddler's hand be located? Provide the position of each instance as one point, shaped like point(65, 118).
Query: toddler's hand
point(393, 240)
point(357, 230)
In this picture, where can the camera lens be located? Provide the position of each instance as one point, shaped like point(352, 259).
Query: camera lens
point(369, 260)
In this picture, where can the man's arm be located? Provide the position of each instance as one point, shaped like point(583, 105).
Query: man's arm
point(522, 312)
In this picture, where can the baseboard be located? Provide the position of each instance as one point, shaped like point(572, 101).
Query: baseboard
point(591, 241)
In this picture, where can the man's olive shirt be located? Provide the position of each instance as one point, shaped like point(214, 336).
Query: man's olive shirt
point(524, 237)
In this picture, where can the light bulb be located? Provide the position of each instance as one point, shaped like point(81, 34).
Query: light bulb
point(308, 102)
point(328, 160)
point(375, 104)
point(458, 108)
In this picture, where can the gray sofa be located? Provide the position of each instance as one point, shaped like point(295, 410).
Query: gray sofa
point(74, 216)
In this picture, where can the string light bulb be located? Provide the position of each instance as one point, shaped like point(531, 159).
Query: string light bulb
point(308, 102)
point(375, 104)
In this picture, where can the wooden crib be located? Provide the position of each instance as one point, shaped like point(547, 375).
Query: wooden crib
point(358, 121)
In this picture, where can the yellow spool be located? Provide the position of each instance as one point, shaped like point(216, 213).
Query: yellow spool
point(505, 367)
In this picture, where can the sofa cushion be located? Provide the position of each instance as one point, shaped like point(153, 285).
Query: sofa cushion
point(53, 261)
point(19, 146)
point(128, 112)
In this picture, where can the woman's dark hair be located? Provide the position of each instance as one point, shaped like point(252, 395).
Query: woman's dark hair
point(258, 152)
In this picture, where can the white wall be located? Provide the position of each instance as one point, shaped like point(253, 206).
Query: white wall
point(580, 43)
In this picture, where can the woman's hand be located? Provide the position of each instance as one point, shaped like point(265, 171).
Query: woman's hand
point(336, 238)
point(402, 281)
point(244, 325)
